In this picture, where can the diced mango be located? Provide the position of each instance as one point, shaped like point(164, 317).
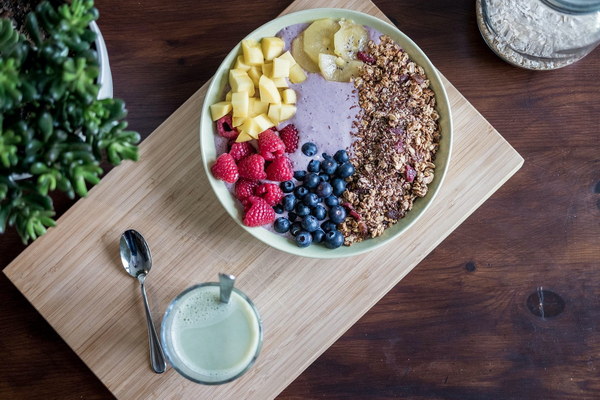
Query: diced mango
point(240, 103)
point(287, 111)
point(263, 122)
point(275, 113)
point(243, 137)
point(289, 96)
point(254, 73)
point(268, 91)
point(258, 107)
point(251, 128)
point(241, 82)
point(267, 69)
point(240, 64)
point(280, 82)
point(297, 74)
point(272, 47)
point(288, 56)
point(237, 121)
point(281, 68)
point(253, 55)
point(220, 109)
point(228, 96)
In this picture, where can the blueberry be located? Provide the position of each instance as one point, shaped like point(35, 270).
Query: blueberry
point(311, 180)
point(314, 166)
point(310, 223)
point(303, 239)
point(309, 149)
point(302, 210)
point(326, 156)
point(318, 236)
point(282, 225)
point(324, 189)
point(278, 208)
point(332, 201)
point(289, 202)
point(299, 175)
point(295, 228)
point(329, 166)
point(341, 156)
point(287, 186)
point(328, 226)
point(292, 216)
point(334, 239)
point(339, 185)
point(323, 177)
point(310, 200)
point(345, 170)
point(301, 191)
point(319, 212)
point(337, 214)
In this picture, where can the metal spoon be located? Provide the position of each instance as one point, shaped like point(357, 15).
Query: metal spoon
point(226, 282)
point(136, 258)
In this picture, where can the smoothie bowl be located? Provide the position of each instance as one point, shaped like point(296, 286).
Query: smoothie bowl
point(326, 133)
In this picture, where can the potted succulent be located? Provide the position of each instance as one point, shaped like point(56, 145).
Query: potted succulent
point(56, 127)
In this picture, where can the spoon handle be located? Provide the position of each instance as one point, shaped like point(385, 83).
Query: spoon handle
point(157, 357)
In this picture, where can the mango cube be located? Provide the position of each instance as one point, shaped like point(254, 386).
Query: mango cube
point(243, 137)
point(280, 82)
point(240, 64)
point(275, 113)
point(251, 128)
point(254, 73)
point(289, 96)
point(272, 47)
point(253, 55)
point(287, 111)
point(228, 96)
point(220, 109)
point(288, 56)
point(267, 69)
point(241, 82)
point(240, 103)
point(237, 121)
point(268, 91)
point(258, 107)
point(297, 74)
point(281, 68)
point(263, 122)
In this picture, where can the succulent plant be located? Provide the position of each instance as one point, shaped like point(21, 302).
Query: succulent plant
point(53, 127)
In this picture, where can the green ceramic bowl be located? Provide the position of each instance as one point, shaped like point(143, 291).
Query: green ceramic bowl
point(207, 132)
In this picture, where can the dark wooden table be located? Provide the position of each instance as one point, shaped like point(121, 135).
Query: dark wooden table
point(466, 323)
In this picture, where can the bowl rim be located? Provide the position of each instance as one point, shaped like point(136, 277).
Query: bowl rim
point(442, 101)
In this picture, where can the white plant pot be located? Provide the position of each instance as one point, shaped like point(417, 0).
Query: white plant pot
point(104, 76)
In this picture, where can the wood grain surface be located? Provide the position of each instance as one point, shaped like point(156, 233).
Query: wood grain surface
point(458, 326)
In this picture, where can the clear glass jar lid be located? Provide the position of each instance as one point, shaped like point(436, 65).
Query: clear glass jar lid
point(574, 6)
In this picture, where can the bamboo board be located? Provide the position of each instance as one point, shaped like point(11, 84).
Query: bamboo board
point(167, 198)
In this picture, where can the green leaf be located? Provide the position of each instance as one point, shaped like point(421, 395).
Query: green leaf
point(45, 125)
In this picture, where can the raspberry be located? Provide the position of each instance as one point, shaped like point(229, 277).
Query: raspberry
point(225, 127)
point(245, 188)
point(270, 145)
point(280, 169)
point(252, 167)
point(290, 137)
point(365, 57)
point(241, 150)
point(270, 192)
point(410, 173)
point(259, 213)
point(225, 169)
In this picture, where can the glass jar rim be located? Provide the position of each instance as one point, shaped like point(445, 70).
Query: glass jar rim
point(574, 6)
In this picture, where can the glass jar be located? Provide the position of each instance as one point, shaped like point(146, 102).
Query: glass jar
point(540, 34)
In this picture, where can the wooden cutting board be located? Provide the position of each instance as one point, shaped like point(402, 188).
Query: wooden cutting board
point(306, 304)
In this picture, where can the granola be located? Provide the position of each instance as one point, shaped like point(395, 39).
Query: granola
point(396, 138)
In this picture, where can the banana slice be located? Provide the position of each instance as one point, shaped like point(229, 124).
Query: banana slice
point(334, 68)
point(318, 38)
point(349, 40)
point(301, 57)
